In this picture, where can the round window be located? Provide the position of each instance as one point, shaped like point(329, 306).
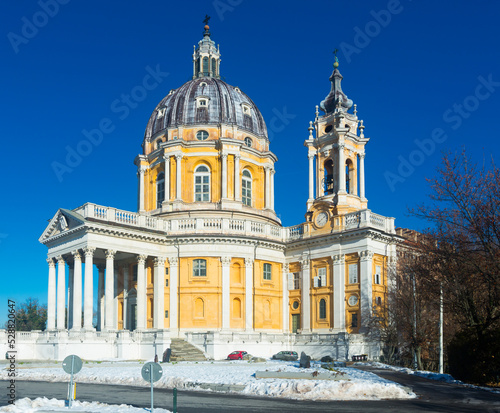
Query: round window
point(248, 141)
point(328, 129)
point(295, 305)
point(353, 300)
point(202, 135)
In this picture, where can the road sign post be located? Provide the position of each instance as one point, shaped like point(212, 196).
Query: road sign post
point(151, 372)
point(72, 365)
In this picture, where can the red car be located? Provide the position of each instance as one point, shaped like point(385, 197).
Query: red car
point(237, 355)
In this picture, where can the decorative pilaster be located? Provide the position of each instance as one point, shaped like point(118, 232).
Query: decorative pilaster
point(77, 290)
point(71, 292)
point(174, 282)
point(284, 282)
point(109, 290)
point(306, 297)
point(51, 297)
point(311, 176)
point(166, 158)
point(341, 169)
point(339, 291)
point(88, 288)
point(141, 292)
point(125, 297)
point(140, 174)
point(237, 178)
point(223, 159)
point(366, 281)
point(178, 188)
point(272, 188)
point(61, 292)
point(159, 295)
point(226, 304)
point(362, 175)
point(268, 187)
point(248, 293)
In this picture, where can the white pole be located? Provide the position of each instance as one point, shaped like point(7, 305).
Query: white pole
point(441, 347)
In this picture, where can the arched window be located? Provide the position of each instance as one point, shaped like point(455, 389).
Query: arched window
point(199, 268)
point(350, 183)
point(248, 142)
point(328, 179)
point(246, 188)
point(236, 308)
point(214, 63)
point(205, 65)
point(199, 308)
point(202, 184)
point(202, 135)
point(322, 309)
point(158, 143)
point(160, 189)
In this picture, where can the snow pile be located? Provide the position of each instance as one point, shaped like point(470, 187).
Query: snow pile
point(359, 385)
point(53, 405)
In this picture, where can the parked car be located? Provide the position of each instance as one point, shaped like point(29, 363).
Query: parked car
point(286, 355)
point(237, 355)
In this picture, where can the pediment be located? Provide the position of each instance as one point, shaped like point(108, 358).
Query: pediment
point(63, 221)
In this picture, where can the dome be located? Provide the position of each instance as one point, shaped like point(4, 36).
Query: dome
point(206, 101)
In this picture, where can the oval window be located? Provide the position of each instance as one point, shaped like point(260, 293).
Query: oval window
point(328, 129)
point(202, 135)
point(295, 305)
point(248, 141)
point(353, 300)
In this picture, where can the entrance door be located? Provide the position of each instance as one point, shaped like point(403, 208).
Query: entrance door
point(295, 323)
point(133, 317)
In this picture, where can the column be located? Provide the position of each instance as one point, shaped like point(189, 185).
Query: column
point(51, 297)
point(109, 290)
point(115, 297)
point(311, 176)
point(366, 279)
point(248, 293)
point(223, 159)
point(286, 315)
point(339, 291)
point(167, 178)
point(226, 295)
point(77, 290)
point(140, 174)
point(88, 288)
point(125, 296)
point(320, 174)
point(306, 298)
point(61, 292)
point(71, 273)
point(159, 293)
point(341, 168)
point(362, 175)
point(100, 297)
point(173, 261)
point(267, 187)
point(141, 292)
point(178, 192)
point(272, 188)
point(237, 178)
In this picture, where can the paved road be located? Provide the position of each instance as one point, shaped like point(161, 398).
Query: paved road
point(433, 397)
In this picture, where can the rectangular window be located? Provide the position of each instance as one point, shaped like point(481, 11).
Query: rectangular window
point(296, 280)
point(378, 300)
point(202, 188)
point(267, 271)
point(166, 313)
point(322, 277)
point(354, 320)
point(246, 189)
point(353, 273)
point(199, 268)
point(378, 272)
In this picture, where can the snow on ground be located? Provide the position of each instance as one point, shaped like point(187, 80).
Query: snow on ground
point(53, 405)
point(360, 385)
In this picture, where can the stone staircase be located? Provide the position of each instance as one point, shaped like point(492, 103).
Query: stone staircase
point(184, 351)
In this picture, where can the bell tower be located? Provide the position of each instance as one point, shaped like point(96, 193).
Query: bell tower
point(336, 154)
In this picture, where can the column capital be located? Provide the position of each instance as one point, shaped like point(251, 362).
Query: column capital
point(226, 260)
point(76, 255)
point(178, 157)
point(248, 262)
point(51, 262)
point(237, 156)
point(141, 259)
point(160, 261)
point(366, 255)
point(110, 254)
point(341, 146)
point(89, 251)
point(305, 263)
point(361, 155)
point(286, 267)
point(173, 261)
point(60, 260)
point(166, 156)
point(223, 156)
point(141, 170)
point(338, 259)
point(310, 156)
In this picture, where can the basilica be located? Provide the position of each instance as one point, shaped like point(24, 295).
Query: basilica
point(205, 259)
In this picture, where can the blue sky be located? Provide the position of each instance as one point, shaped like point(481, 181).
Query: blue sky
point(419, 72)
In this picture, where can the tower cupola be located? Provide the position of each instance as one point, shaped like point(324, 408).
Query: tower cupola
point(336, 98)
point(206, 57)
